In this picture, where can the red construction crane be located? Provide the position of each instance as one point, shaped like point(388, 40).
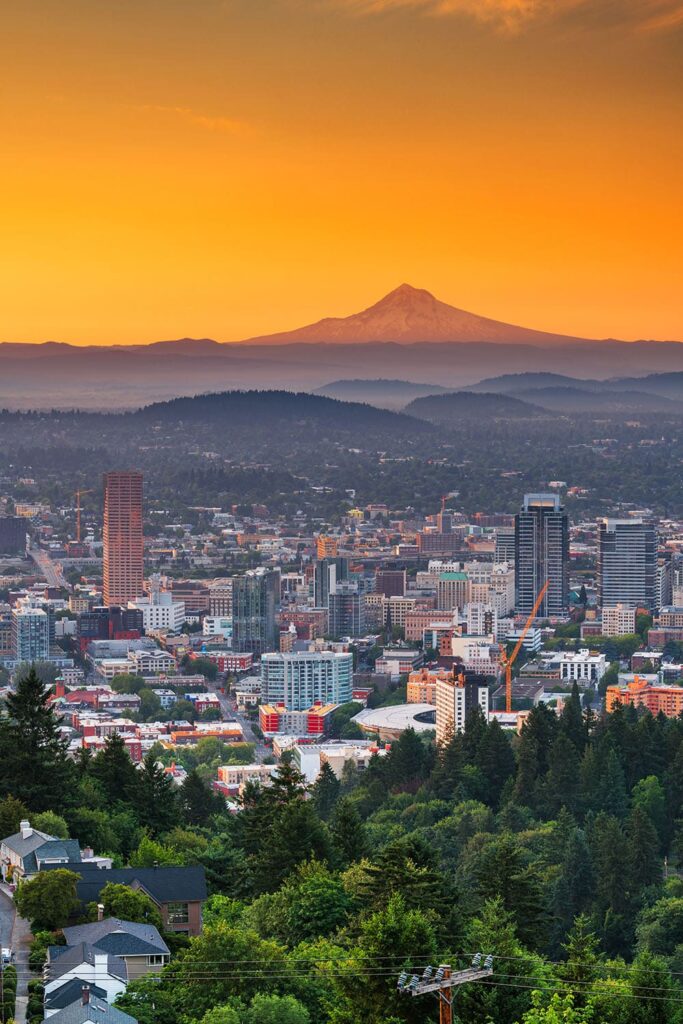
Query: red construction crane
point(508, 660)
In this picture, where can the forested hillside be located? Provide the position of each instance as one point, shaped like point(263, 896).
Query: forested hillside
point(555, 851)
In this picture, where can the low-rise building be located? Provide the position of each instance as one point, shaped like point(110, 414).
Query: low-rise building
point(309, 758)
point(232, 778)
point(656, 698)
point(313, 721)
point(151, 663)
point(178, 892)
point(398, 661)
point(160, 611)
point(582, 667)
point(618, 620)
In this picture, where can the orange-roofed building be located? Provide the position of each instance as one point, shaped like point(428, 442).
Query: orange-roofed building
point(422, 685)
point(327, 547)
point(667, 699)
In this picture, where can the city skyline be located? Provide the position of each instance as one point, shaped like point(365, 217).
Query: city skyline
point(232, 169)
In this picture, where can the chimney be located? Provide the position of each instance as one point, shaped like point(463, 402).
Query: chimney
point(101, 964)
point(26, 830)
point(85, 995)
point(87, 853)
point(100, 911)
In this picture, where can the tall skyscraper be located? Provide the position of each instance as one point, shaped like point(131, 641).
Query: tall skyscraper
point(541, 553)
point(328, 573)
point(627, 562)
point(347, 610)
point(122, 555)
point(255, 604)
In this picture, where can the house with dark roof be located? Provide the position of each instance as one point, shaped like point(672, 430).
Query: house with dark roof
point(90, 1008)
point(140, 946)
point(29, 851)
point(178, 892)
point(69, 992)
point(89, 965)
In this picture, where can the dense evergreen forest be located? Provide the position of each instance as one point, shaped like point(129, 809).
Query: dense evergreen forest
point(555, 850)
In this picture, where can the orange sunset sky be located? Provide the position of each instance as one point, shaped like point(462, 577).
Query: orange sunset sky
point(228, 168)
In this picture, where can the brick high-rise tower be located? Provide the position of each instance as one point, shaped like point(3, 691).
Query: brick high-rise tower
point(122, 561)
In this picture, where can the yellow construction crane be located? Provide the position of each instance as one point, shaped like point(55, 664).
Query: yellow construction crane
point(508, 660)
point(78, 494)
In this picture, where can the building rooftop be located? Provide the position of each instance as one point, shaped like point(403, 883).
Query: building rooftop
point(420, 717)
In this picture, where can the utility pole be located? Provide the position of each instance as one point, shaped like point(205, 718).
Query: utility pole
point(444, 981)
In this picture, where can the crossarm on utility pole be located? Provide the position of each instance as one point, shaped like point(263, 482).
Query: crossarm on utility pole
point(457, 978)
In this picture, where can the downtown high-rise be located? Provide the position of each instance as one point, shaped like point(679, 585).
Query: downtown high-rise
point(627, 561)
point(541, 554)
point(122, 553)
point(255, 605)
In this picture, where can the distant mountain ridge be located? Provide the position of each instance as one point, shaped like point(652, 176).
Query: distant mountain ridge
point(410, 315)
point(459, 405)
point(408, 335)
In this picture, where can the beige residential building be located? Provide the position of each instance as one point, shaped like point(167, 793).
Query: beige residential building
point(618, 620)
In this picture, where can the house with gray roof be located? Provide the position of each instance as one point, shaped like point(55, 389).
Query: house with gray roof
point(87, 963)
point(140, 946)
point(90, 1009)
point(69, 992)
point(29, 851)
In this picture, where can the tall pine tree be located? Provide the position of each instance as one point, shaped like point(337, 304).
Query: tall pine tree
point(33, 755)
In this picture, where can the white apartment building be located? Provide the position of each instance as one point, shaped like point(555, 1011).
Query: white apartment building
point(160, 611)
point(301, 679)
point(481, 619)
point(167, 698)
point(581, 667)
point(454, 702)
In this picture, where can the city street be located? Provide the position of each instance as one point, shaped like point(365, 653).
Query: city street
point(52, 571)
point(15, 934)
point(6, 918)
point(229, 713)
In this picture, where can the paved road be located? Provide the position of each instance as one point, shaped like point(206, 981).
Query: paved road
point(16, 933)
point(52, 571)
point(229, 712)
point(6, 919)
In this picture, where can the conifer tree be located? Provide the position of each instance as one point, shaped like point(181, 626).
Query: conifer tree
point(155, 797)
point(348, 832)
point(197, 801)
point(325, 791)
point(113, 769)
point(33, 754)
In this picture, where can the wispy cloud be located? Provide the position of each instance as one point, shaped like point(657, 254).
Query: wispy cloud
point(514, 15)
point(210, 122)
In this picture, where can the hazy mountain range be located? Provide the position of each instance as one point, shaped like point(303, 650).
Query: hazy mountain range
point(408, 336)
